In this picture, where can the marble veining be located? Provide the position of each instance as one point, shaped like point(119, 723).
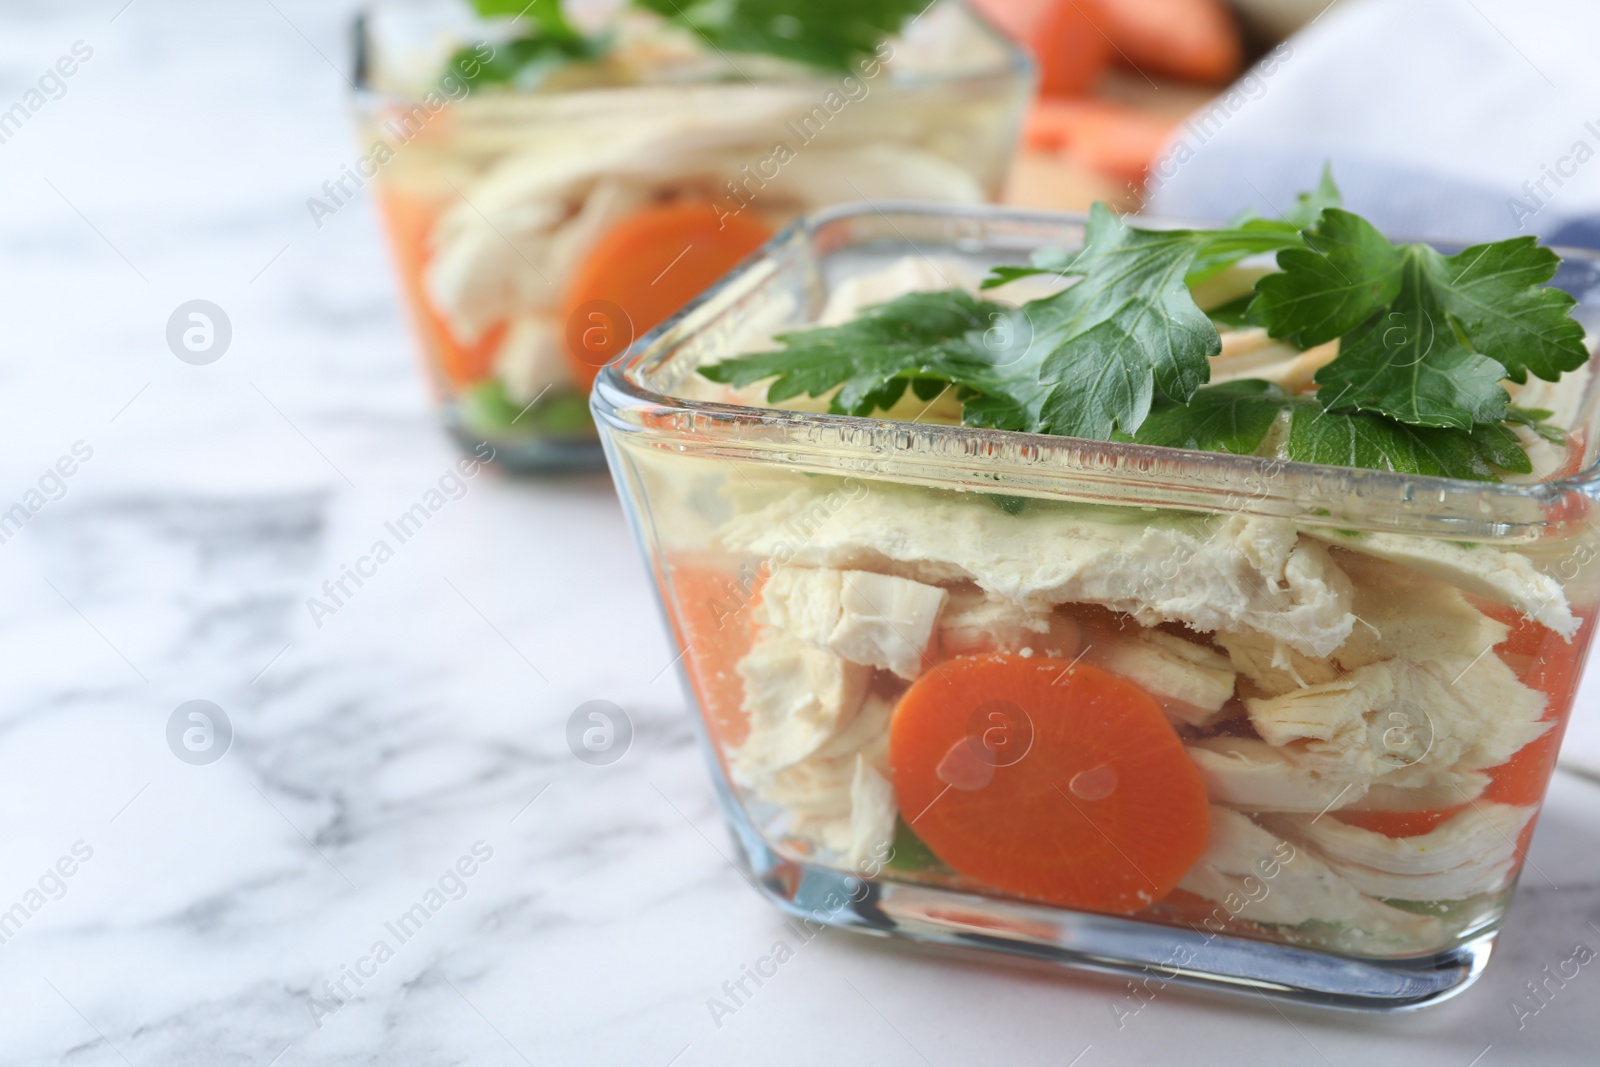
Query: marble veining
point(223, 909)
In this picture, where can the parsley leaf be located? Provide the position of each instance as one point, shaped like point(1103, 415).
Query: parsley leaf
point(1229, 417)
point(1248, 235)
point(546, 14)
point(1497, 296)
point(1235, 314)
point(831, 34)
point(1237, 416)
point(919, 336)
point(552, 42)
point(824, 33)
point(523, 60)
point(1408, 363)
point(1128, 327)
point(1123, 352)
point(1344, 275)
point(1535, 419)
point(1043, 261)
point(1308, 207)
point(1427, 338)
point(1359, 439)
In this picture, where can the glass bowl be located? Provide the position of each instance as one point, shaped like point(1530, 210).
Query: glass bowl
point(496, 197)
point(1298, 719)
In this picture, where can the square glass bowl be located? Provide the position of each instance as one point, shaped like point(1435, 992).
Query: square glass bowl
point(1290, 725)
point(539, 224)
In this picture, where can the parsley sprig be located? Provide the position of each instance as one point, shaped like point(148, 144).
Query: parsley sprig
point(1124, 351)
point(829, 34)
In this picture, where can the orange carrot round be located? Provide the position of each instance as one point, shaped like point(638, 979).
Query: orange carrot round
point(1196, 40)
point(1552, 666)
point(1048, 780)
point(1398, 823)
point(712, 613)
point(645, 268)
point(410, 219)
point(1071, 52)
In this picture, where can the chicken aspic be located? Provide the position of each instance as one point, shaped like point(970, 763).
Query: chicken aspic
point(1327, 737)
point(543, 223)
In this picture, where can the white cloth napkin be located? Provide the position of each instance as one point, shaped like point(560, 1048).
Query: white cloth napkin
point(1440, 118)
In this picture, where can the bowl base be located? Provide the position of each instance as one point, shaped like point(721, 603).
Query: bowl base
point(534, 455)
point(1158, 954)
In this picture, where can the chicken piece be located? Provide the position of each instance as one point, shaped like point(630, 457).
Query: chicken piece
point(1544, 457)
point(1239, 573)
point(877, 170)
point(1190, 681)
point(873, 619)
point(1563, 398)
point(908, 274)
point(1447, 791)
point(867, 734)
point(798, 698)
point(1470, 853)
point(820, 791)
point(529, 360)
point(813, 788)
point(886, 621)
point(1492, 573)
point(1251, 775)
point(1271, 667)
point(526, 222)
point(974, 621)
point(821, 782)
point(1266, 879)
point(1415, 722)
point(872, 815)
point(1407, 615)
point(1250, 353)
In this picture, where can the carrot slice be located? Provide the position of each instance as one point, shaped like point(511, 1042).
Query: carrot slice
point(646, 267)
point(1398, 823)
point(410, 219)
point(1197, 40)
point(1113, 139)
point(1071, 52)
point(1048, 780)
point(712, 609)
point(1553, 666)
point(1543, 661)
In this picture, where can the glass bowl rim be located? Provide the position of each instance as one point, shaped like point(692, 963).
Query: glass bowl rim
point(618, 386)
point(1016, 64)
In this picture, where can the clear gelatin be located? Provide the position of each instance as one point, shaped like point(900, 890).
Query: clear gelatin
point(541, 223)
point(1229, 717)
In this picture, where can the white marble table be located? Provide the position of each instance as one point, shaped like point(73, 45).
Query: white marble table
point(208, 905)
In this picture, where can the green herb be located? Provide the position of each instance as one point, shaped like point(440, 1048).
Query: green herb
point(922, 337)
point(487, 409)
point(1237, 416)
point(1426, 338)
point(1128, 327)
point(546, 14)
point(910, 853)
point(1308, 207)
point(1011, 505)
point(1123, 352)
point(832, 34)
point(1535, 420)
point(1358, 439)
point(552, 42)
point(1235, 314)
point(1230, 417)
point(1083, 362)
